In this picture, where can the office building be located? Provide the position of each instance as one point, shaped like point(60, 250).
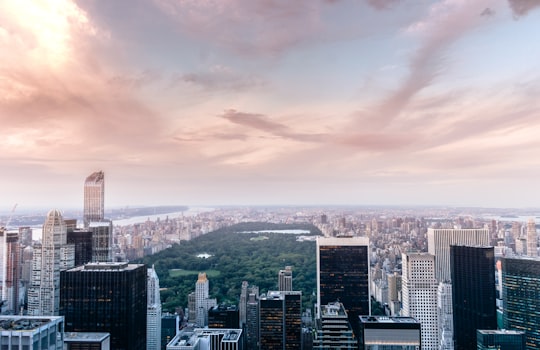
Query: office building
point(107, 297)
point(207, 339)
point(102, 233)
point(53, 256)
point(170, 325)
point(440, 240)
point(10, 269)
point(25, 235)
point(32, 332)
point(280, 323)
point(343, 274)
point(87, 341)
point(532, 239)
point(94, 198)
point(419, 295)
point(285, 279)
point(153, 312)
point(333, 329)
point(202, 301)
point(500, 340)
point(446, 322)
point(223, 316)
point(473, 293)
point(251, 326)
point(383, 332)
point(521, 292)
point(82, 243)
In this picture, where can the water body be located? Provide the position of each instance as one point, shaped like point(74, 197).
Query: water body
point(175, 215)
point(290, 232)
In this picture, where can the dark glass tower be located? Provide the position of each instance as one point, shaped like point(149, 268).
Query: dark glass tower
point(280, 320)
point(106, 297)
point(223, 316)
point(82, 240)
point(473, 293)
point(343, 275)
point(521, 293)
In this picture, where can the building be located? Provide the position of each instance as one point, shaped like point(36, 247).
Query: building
point(170, 325)
point(87, 341)
point(10, 269)
point(202, 301)
point(419, 295)
point(383, 332)
point(207, 339)
point(53, 256)
point(251, 326)
point(223, 316)
point(285, 279)
point(32, 332)
point(280, 322)
point(521, 292)
point(82, 242)
point(500, 340)
point(446, 322)
point(107, 297)
point(153, 312)
point(532, 238)
point(440, 240)
point(94, 198)
point(343, 274)
point(333, 329)
point(473, 293)
point(102, 233)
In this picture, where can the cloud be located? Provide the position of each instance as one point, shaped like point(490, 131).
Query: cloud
point(521, 8)
point(382, 4)
point(220, 77)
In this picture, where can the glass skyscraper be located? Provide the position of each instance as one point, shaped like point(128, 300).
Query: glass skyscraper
point(94, 198)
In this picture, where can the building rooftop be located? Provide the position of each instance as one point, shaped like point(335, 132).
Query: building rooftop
point(106, 266)
point(387, 319)
point(333, 309)
point(499, 331)
point(85, 336)
point(25, 323)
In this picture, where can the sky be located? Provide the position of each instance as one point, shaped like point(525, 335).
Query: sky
point(269, 102)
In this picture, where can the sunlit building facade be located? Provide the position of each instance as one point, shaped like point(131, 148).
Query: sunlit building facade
point(94, 198)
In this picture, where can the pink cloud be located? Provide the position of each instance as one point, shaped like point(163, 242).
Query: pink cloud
point(521, 8)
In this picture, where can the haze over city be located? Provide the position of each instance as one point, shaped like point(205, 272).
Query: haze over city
point(231, 102)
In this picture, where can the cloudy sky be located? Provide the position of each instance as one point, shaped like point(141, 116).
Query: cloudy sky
point(271, 102)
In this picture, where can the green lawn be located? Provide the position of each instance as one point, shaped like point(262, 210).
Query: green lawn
point(181, 273)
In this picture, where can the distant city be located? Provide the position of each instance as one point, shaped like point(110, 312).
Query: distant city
point(387, 277)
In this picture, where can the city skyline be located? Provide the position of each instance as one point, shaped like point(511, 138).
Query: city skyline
point(234, 102)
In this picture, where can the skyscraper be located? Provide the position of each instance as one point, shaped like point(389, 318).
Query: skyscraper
point(285, 279)
point(532, 238)
point(280, 320)
point(49, 259)
point(94, 198)
point(107, 297)
point(102, 233)
point(202, 301)
point(343, 274)
point(252, 321)
point(446, 322)
point(440, 240)
point(153, 312)
point(333, 329)
point(12, 275)
point(521, 292)
point(473, 293)
point(419, 295)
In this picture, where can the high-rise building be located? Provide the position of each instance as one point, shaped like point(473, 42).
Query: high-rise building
point(252, 321)
point(521, 292)
point(207, 339)
point(102, 233)
point(532, 238)
point(440, 240)
point(82, 242)
point(170, 325)
point(280, 320)
point(87, 341)
point(153, 312)
point(54, 255)
point(446, 322)
point(382, 332)
point(285, 279)
point(94, 198)
point(223, 316)
point(202, 301)
point(107, 297)
point(500, 340)
point(334, 329)
point(32, 332)
point(473, 293)
point(10, 269)
point(419, 295)
point(343, 274)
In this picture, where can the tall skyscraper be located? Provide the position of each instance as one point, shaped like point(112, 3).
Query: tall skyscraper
point(202, 301)
point(280, 320)
point(53, 256)
point(252, 321)
point(343, 275)
point(153, 312)
point(473, 293)
point(13, 271)
point(440, 240)
point(333, 329)
point(102, 233)
point(521, 292)
point(94, 198)
point(82, 241)
point(285, 279)
point(532, 238)
point(419, 295)
point(223, 316)
point(107, 297)
point(446, 322)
